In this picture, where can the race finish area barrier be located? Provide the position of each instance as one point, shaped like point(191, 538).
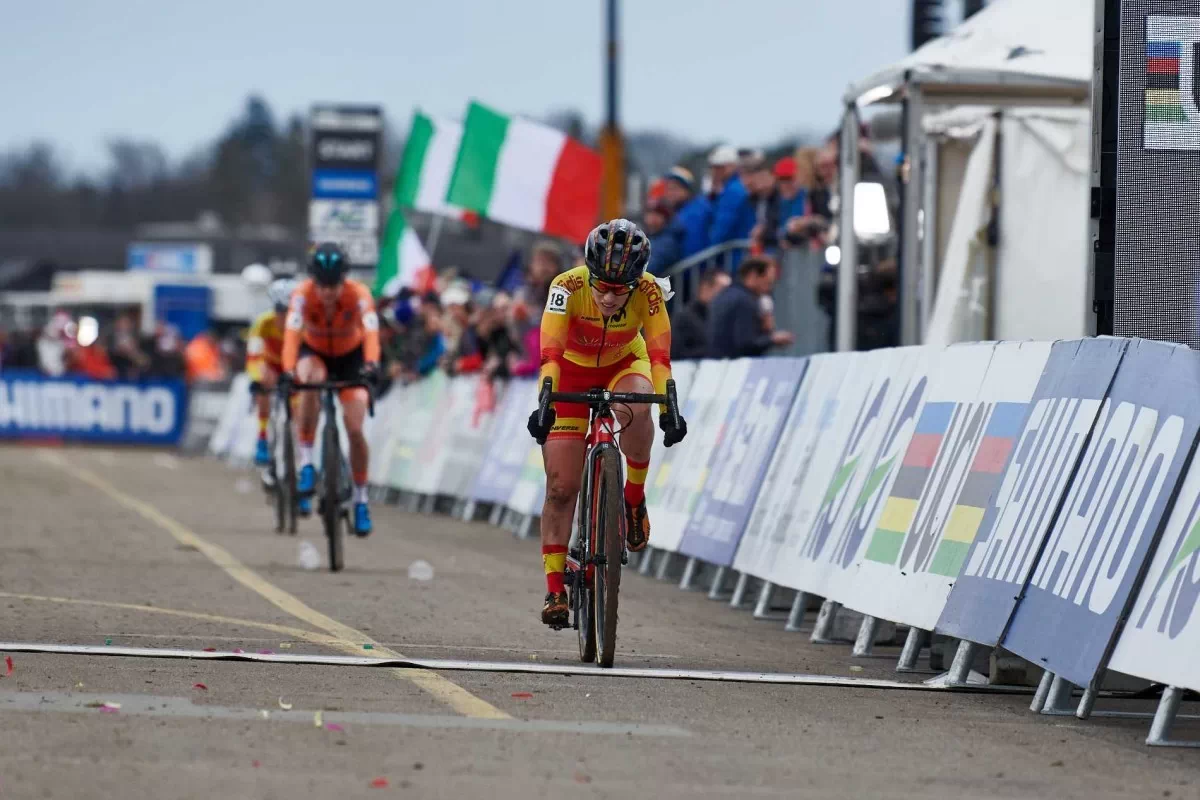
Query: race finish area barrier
point(36, 407)
point(1039, 497)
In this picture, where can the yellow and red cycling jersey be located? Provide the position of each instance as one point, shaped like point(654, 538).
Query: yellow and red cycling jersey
point(264, 345)
point(574, 331)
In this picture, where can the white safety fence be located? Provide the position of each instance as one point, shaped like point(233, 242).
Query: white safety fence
point(1039, 497)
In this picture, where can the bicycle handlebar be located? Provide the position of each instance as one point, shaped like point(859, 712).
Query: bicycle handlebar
point(596, 397)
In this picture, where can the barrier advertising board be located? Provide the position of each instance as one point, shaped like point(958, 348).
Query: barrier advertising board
point(1162, 636)
point(770, 530)
point(508, 448)
point(683, 372)
point(676, 489)
point(1024, 504)
point(421, 404)
point(1091, 563)
point(975, 410)
point(471, 433)
point(33, 406)
point(739, 461)
point(876, 419)
point(529, 489)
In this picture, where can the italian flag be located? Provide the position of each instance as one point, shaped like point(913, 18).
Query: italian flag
point(526, 175)
point(421, 183)
point(403, 260)
point(424, 174)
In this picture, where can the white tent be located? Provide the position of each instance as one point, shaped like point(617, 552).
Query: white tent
point(1014, 54)
point(1022, 48)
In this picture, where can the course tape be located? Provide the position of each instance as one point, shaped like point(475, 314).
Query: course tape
point(450, 665)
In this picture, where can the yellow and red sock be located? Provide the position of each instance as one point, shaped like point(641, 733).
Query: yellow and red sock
point(635, 481)
point(554, 559)
point(262, 427)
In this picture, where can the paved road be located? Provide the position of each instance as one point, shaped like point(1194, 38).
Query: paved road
point(148, 550)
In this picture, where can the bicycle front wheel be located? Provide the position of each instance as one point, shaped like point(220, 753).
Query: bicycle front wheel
point(286, 486)
point(331, 506)
point(607, 549)
point(581, 595)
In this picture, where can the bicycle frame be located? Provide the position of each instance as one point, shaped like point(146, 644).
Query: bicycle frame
point(600, 437)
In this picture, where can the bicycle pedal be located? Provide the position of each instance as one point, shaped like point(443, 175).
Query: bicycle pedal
point(624, 558)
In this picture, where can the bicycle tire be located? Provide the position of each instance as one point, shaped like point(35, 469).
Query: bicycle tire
point(278, 494)
point(581, 599)
point(287, 486)
point(331, 505)
point(607, 500)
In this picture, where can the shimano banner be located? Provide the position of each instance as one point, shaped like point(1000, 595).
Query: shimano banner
point(1093, 559)
point(36, 407)
point(1162, 636)
point(1023, 506)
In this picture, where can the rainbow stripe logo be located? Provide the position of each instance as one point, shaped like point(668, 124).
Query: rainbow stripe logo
point(901, 507)
point(1172, 107)
point(987, 469)
point(1162, 82)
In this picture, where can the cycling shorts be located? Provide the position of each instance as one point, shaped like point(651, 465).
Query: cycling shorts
point(346, 367)
point(571, 419)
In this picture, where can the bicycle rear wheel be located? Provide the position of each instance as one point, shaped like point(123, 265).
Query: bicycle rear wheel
point(607, 548)
point(331, 507)
point(277, 491)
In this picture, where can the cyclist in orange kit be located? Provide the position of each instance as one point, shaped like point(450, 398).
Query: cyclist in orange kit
point(332, 333)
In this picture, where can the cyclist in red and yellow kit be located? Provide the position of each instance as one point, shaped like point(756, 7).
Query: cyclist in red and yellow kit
point(332, 334)
point(592, 336)
point(264, 354)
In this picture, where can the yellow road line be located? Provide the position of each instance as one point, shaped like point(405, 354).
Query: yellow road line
point(283, 630)
point(346, 639)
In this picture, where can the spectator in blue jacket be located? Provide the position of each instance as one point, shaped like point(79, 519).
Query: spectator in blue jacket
point(664, 242)
point(733, 214)
point(693, 212)
point(786, 202)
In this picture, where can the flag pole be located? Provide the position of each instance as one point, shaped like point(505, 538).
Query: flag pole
point(612, 148)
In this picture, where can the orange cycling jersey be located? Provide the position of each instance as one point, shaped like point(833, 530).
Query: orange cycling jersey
point(350, 324)
point(574, 330)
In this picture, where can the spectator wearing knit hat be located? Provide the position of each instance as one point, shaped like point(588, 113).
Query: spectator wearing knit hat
point(733, 214)
point(693, 212)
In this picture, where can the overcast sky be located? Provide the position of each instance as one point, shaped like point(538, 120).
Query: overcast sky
point(78, 72)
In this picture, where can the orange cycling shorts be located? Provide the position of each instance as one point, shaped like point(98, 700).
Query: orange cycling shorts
point(571, 419)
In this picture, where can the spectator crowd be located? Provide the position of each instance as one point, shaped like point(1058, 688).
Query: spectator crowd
point(81, 347)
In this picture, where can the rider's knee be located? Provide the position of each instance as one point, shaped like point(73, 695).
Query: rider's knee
point(560, 494)
point(634, 416)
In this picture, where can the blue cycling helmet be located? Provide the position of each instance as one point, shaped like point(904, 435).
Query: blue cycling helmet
point(328, 264)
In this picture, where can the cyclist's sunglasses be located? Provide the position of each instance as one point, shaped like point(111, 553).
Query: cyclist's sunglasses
point(603, 287)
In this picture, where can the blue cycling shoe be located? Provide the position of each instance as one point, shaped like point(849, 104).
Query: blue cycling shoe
point(262, 456)
point(306, 482)
point(362, 520)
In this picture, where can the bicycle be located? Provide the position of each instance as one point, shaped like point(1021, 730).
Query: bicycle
point(279, 436)
point(594, 561)
point(333, 487)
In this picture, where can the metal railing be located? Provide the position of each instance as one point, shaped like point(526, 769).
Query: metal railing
point(795, 294)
